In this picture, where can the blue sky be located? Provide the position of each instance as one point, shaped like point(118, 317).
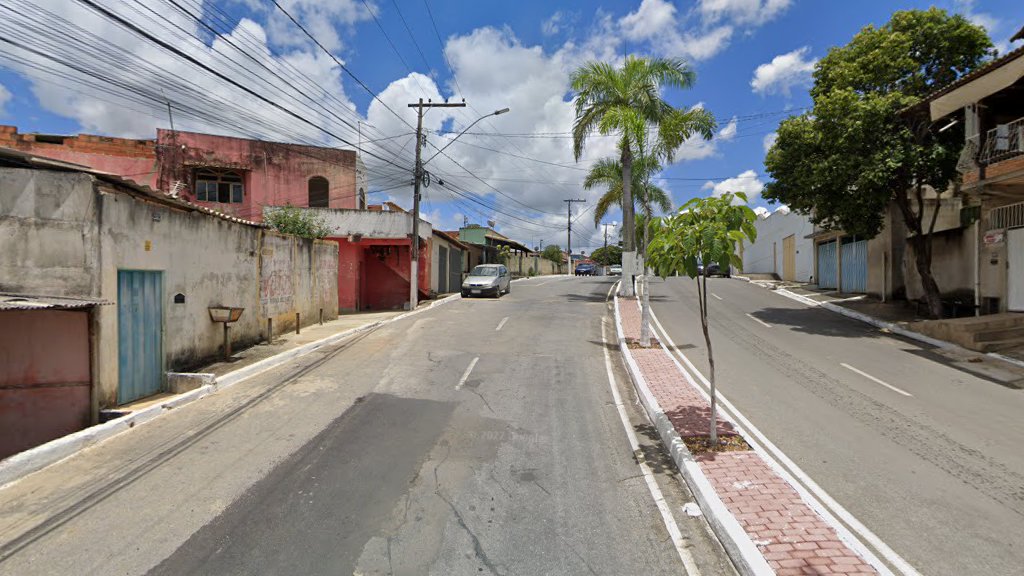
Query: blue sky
point(752, 59)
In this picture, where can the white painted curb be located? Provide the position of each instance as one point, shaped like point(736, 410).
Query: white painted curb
point(737, 543)
point(24, 463)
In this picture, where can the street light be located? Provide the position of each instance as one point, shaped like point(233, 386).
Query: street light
point(414, 246)
point(452, 141)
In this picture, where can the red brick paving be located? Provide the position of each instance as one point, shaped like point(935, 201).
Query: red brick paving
point(792, 537)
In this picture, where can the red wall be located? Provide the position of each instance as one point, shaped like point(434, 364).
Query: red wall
point(365, 282)
point(44, 377)
point(133, 159)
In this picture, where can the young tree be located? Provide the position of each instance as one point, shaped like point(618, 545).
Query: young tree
point(553, 253)
point(864, 144)
point(627, 101)
point(705, 230)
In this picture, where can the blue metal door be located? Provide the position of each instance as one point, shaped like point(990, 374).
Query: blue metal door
point(827, 265)
point(442, 270)
point(140, 334)
point(855, 265)
point(454, 269)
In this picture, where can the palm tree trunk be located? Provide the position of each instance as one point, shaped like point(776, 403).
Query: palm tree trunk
point(628, 238)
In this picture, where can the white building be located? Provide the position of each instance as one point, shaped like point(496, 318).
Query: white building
point(782, 247)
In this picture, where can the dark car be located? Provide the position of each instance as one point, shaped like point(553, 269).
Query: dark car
point(712, 269)
point(585, 270)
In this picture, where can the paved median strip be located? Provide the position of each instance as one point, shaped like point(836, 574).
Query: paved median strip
point(767, 522)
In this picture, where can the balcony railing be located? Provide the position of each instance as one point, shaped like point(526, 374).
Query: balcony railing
point(1003, 142)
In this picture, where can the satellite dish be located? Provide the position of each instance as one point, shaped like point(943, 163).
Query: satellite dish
point(490, 223)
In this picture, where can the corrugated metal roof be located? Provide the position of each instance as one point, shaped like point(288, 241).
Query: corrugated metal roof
point(38, 302)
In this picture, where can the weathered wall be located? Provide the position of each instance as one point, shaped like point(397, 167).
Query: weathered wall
point(765, 255)
point(49, 233)
point(65, 234)
point(44, 376)
point(521, 264)
point(275, 174)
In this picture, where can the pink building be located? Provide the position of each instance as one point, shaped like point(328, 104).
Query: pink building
point(236, 176)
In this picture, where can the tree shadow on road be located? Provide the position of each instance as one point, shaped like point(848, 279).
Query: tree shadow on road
point(816, 322)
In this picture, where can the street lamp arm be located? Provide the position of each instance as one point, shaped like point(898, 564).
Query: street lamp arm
point(452, 141)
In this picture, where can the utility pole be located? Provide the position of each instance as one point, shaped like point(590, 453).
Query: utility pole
point(414, 246)
point(568, 244)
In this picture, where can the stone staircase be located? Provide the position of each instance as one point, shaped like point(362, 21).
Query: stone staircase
point(992, 333)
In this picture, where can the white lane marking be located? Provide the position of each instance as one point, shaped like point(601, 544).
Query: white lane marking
point(759, 321)
point(652, 484)
point(876, 380)
point(802, 481)
point(502, 323)
point(716, 295)
point(465, 375)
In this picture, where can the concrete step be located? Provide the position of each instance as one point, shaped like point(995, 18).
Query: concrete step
point(996, 334)
point(999, 345)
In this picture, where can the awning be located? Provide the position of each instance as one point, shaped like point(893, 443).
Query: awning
point(37, 302)
point(978, 85)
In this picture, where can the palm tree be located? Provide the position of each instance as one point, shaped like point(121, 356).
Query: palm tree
point(627, 101)
point(607, 173)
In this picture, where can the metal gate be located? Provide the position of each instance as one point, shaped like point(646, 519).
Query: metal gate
point(855, 265)
point(455, 269)
point(442, 270)
point(827, 277)
point(789, 258)
point(139, 334)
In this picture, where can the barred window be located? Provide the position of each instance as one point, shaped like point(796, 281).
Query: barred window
point(225, 186)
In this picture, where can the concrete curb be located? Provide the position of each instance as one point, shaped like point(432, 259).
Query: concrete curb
point(741, 549)
point(20, 465)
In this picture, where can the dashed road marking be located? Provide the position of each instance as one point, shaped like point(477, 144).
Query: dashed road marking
point(759, 321)
point(465, 375)
point(502, 323)
point(716, 295)
point(876, 380)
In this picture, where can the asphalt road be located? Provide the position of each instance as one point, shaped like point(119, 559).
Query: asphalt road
point(477, 437)
point(927, 456)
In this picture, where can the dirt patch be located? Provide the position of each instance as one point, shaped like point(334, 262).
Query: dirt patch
point(635, 344)
point(726, 443)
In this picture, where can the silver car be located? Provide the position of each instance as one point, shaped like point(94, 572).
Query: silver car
point(487, 280)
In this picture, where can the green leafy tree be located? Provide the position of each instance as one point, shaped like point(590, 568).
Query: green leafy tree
point(704, 230)
point(298, 222)
point(865, 144)
point(607, 255)
point(627, 101)
point(553, 253)
point(504, 254)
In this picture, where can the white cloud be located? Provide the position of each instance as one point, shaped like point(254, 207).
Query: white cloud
point(5, 97)
point(652, 18)
point(985, 20)
point(743, 12)
point(729, 132)
point(746, 182)
point(769, 141)
point(321, 17)
point(784, 72)
point(554, 24)
point(761, 212)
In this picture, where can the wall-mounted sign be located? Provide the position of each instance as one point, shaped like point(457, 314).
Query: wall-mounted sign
point(148, 245)
point(993, 238)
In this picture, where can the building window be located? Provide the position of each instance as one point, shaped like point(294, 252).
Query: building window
point(319, 192)
point(225, 186)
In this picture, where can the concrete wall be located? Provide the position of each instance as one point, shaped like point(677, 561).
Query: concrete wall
point(372, 224)
point(66, 234)
point(49, 233)
point(521, 264)
point(765, 255)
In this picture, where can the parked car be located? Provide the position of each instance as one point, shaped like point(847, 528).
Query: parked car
point(615, 270)
point(487, 280)
point(585, 270)
point(713, 269)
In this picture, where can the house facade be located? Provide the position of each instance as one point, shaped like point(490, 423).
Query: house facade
point(783, 247)
point(104, 275)
point(990, 104)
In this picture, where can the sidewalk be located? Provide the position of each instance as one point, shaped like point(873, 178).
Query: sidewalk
point(244, 364)
point(741, 487)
